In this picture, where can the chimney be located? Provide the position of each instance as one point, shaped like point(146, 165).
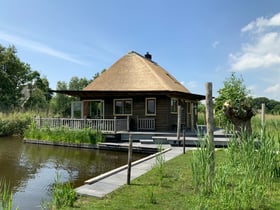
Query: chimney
point(148, 56)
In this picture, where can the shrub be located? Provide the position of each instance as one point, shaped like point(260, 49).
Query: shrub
point(14, 124)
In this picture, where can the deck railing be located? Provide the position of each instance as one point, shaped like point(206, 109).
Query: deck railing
point(104, 125)
point(146, 123)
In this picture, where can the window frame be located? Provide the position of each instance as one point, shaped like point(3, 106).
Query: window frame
point(123, 100)
point(146, 106)
point(174, 109)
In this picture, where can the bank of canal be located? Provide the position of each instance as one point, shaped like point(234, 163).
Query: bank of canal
point(31, 168)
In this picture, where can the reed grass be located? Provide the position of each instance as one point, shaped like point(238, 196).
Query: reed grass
point(6, 196)
point(62, 195)
point(245, 178)
point(63, 134)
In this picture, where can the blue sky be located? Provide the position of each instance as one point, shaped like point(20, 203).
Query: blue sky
point(197, 41)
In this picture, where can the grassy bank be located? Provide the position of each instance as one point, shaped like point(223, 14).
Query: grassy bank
point(245, 178)
point(175, 192)
point(63, 135)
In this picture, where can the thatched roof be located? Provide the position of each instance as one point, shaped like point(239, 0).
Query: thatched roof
point(131, 75)
point(134, 72)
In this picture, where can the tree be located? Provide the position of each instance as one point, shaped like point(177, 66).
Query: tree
point(60, 103)
point(38, 94)
point(15, 77)
point(235, 105)
point(78, 84)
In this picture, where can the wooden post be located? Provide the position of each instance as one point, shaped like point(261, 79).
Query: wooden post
point(179, 121)
point(263, 115)
point(184, 141)
point(129, 160)
point(115, 124)
point(127, 123)
point(210, 131)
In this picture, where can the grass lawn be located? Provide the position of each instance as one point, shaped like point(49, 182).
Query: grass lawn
point(175, 191)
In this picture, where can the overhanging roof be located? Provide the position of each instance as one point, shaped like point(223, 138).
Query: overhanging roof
point(83, 94)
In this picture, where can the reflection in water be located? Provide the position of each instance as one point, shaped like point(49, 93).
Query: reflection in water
point(31, 169)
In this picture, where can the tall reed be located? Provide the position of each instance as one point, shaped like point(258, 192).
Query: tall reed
point(200, 166)
point(6, 196)
point(245, 177)
point(62, 195)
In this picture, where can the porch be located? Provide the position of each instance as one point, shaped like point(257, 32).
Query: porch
point(106, 126)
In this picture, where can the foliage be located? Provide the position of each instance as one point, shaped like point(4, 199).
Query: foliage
point(6, 196)
point(244, 179)
point(63, 134)
point(14, 124)
point(15, 77)
point(201, 167)
point(247, 176)
point(234, 104)
point(271, 106)
point(63, 195)
point(39, 95)
point(160, 159)
point(61, 103)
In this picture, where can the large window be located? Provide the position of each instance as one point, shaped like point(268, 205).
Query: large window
point(77, 109)
point(174, 105)
point(95, 109)
point(150, 106)
point(123, 106)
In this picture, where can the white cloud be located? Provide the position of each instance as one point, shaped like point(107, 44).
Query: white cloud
point(262, 23)
point(38, 47)
point(191, 84)
point(215, 44)
point(259, 57)
point(274, 89)
point(261, 52)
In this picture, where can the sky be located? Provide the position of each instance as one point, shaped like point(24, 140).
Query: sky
point(197, 41)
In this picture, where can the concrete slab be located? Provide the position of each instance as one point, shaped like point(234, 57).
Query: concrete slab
point(110, 183)
point(114, 179)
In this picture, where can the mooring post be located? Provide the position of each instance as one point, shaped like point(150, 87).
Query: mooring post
point(129, 160)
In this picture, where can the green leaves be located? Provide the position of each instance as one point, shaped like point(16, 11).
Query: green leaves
point(18, 82)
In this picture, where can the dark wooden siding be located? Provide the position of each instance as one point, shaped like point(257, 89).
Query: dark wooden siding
point(165, 120)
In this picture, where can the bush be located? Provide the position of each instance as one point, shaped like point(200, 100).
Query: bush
point(14, 124)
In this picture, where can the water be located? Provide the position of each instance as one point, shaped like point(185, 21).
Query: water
point(31, 169)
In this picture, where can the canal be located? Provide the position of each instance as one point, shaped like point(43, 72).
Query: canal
point(31, 169)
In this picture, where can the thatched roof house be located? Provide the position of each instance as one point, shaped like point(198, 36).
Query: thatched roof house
point(138, 87)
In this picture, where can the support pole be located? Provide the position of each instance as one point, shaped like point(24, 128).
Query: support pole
point(129, 160)
point(179, 112)
point(184, 141)
point(263, 115)
point(210, 131)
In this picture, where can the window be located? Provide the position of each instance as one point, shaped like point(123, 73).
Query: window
point(77, 109)
point(150, 106)
point(174, 105)
point(123, 106)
